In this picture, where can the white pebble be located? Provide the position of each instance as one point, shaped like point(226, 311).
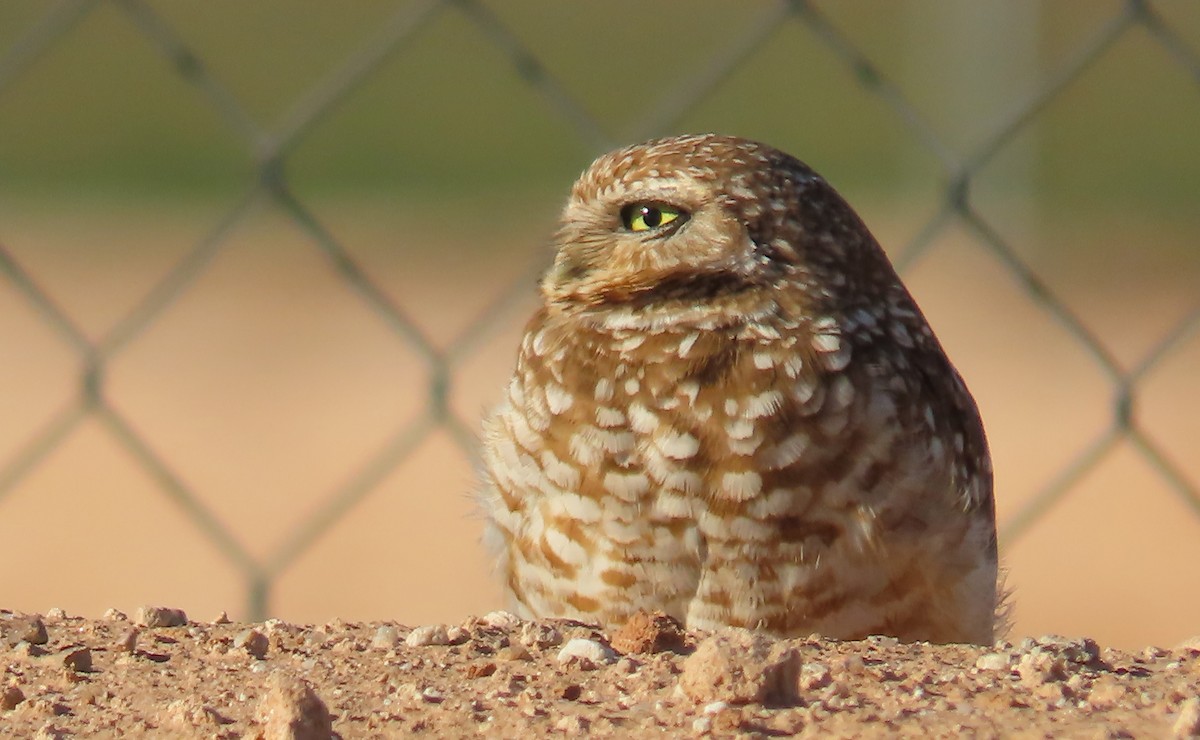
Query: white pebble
point(433, 634)
point(385, 637)
point(590, 653)
point(160, 616)
point(992, 662)
point(500, 619)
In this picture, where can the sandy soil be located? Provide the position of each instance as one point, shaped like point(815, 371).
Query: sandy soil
point(157, 674)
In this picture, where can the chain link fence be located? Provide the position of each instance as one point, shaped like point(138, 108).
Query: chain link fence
point(270, 148)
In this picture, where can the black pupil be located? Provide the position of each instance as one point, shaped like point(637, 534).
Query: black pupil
point(651, 216)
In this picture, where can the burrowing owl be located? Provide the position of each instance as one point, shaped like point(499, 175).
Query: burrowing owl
point(731, 410)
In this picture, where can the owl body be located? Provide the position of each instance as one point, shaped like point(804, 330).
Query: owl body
point(737, 415)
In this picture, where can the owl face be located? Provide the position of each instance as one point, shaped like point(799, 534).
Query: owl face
point(644, 222)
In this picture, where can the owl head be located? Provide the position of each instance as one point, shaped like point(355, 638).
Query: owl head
point(691, 217)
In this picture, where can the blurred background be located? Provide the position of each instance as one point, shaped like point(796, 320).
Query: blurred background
point(263, 267)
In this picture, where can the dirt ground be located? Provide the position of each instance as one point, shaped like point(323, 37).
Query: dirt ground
point(155, 673)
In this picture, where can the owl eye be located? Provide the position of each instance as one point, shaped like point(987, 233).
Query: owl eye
point(647, 216)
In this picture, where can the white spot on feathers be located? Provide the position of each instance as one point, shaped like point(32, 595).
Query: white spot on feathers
point(642, 419)
point(558, 398)
point(677, 446)
point(626, 486)
point(742, 486)
point(764, 404)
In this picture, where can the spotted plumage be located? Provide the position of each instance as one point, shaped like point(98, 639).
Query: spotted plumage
point(730, 409)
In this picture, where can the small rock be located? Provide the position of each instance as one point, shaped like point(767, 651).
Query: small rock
point(587, 654)
point(1037, 667)
point(254, 642)
point(128, 641)
point(572, 692)
point(500, 620)
point(702, 724)
point(1074, 650)
point(29, 629)
point(715, 707)
point(457, 635)
point(540, 635)
point(515, 651)
point(409, 692)
point(992, 662)
point(160, 616)
point(814, 676)
point(627, 665)
point(433, 634)
point(385, 638)
point(431, 695)
point(1153, 652)
point(11, 696)
point(291, 710)
point(55, 612)
point(316, 638)
point(481, 670)
point(115, 615)
point(739, 667)
point(78, 659)
point(650, 632)
point(222, 618)
point(1188, 722)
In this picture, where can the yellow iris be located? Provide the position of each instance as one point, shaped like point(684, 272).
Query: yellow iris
point(647, 216)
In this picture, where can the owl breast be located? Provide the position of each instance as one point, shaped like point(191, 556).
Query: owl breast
point(749, 476)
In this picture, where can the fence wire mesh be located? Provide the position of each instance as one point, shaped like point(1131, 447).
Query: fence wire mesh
point(269, 147)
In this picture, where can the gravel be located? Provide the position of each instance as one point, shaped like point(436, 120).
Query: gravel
point(502, 676)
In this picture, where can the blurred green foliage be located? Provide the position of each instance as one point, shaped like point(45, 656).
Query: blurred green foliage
point(102, 110)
